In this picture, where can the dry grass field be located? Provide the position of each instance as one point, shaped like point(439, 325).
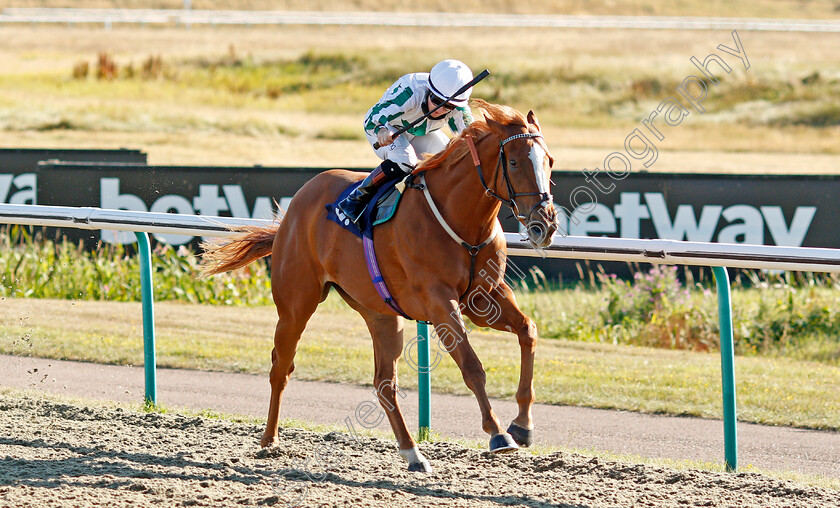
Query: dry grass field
point(590, 88)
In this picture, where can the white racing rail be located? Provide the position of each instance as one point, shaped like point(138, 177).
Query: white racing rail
point(122, 220)
point(674, 252)
point(671, 252)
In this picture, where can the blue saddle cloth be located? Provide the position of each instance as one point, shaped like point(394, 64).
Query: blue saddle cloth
point(381, 209)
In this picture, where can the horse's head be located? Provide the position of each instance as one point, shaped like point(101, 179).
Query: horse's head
point(522, 175)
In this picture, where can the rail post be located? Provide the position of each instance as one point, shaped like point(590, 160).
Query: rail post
point(424, 384)
point(144, 252)
point(727, 368)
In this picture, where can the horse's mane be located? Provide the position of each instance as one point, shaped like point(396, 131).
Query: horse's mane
point(479, 129)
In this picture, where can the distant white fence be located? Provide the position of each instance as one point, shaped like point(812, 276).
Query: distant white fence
point(188, 17)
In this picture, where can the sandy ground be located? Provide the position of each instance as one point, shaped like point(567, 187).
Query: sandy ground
point(623, 433)
point(59, 454)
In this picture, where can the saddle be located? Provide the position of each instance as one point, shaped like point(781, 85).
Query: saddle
point(381, 209)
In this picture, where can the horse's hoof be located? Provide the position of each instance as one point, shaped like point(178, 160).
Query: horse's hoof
point(416, 461)
point(420, 467)
point(502, 443)
point(268, 442)
point(523, 437)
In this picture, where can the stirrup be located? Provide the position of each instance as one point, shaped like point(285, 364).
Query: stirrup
point(354, 215)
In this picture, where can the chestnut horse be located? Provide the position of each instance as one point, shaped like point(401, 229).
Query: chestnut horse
point(428, 272)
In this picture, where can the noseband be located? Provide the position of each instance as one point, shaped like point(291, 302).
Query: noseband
point(503, 163)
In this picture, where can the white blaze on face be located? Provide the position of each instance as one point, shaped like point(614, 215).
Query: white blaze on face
point(537, 157)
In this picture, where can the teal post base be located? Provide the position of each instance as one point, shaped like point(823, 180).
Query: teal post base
point(424, 384)
point(144, 252)
point(727, 367)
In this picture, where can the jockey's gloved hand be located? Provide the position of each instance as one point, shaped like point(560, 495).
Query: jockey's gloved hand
point(383, 136)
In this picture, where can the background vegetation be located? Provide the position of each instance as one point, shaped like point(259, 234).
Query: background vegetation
point(295, 95)
point(342, 82)
point(788, 315)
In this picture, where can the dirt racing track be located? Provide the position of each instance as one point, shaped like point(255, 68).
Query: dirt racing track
point(57, 454)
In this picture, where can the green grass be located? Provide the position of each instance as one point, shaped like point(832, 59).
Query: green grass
point(34, 267)
point(790, 316)
point(336, 347)
point(784, 316)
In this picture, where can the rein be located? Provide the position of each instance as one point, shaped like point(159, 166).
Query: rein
point(473, 250)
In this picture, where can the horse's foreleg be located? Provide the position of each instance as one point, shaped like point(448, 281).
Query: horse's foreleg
point(452, 337)
point(499, 311)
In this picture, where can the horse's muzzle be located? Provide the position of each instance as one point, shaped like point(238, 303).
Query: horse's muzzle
point(542, 224)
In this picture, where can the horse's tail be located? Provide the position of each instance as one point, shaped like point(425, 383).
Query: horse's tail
point(248, 245)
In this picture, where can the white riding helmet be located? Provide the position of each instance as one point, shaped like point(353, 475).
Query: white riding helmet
point(447, 77)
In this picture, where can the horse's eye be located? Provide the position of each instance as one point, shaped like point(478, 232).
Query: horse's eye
point(513, 163)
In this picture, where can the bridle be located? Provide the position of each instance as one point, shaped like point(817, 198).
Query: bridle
point(473, 250)
point(503, 163)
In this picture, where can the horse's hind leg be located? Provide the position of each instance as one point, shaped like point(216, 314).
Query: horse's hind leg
point(296, 298)
point(500, 311)
point(387, 334)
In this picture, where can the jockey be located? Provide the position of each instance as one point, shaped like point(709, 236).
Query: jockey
point(408, 99)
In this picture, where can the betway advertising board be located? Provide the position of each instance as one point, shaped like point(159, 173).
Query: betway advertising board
point(18, 181)
point(755, 209)
point(247, 192)
point(783, 210)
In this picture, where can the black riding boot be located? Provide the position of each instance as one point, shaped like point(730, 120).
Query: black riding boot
point(354, 204)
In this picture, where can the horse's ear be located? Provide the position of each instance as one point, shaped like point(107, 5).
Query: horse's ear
point(532, 119)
